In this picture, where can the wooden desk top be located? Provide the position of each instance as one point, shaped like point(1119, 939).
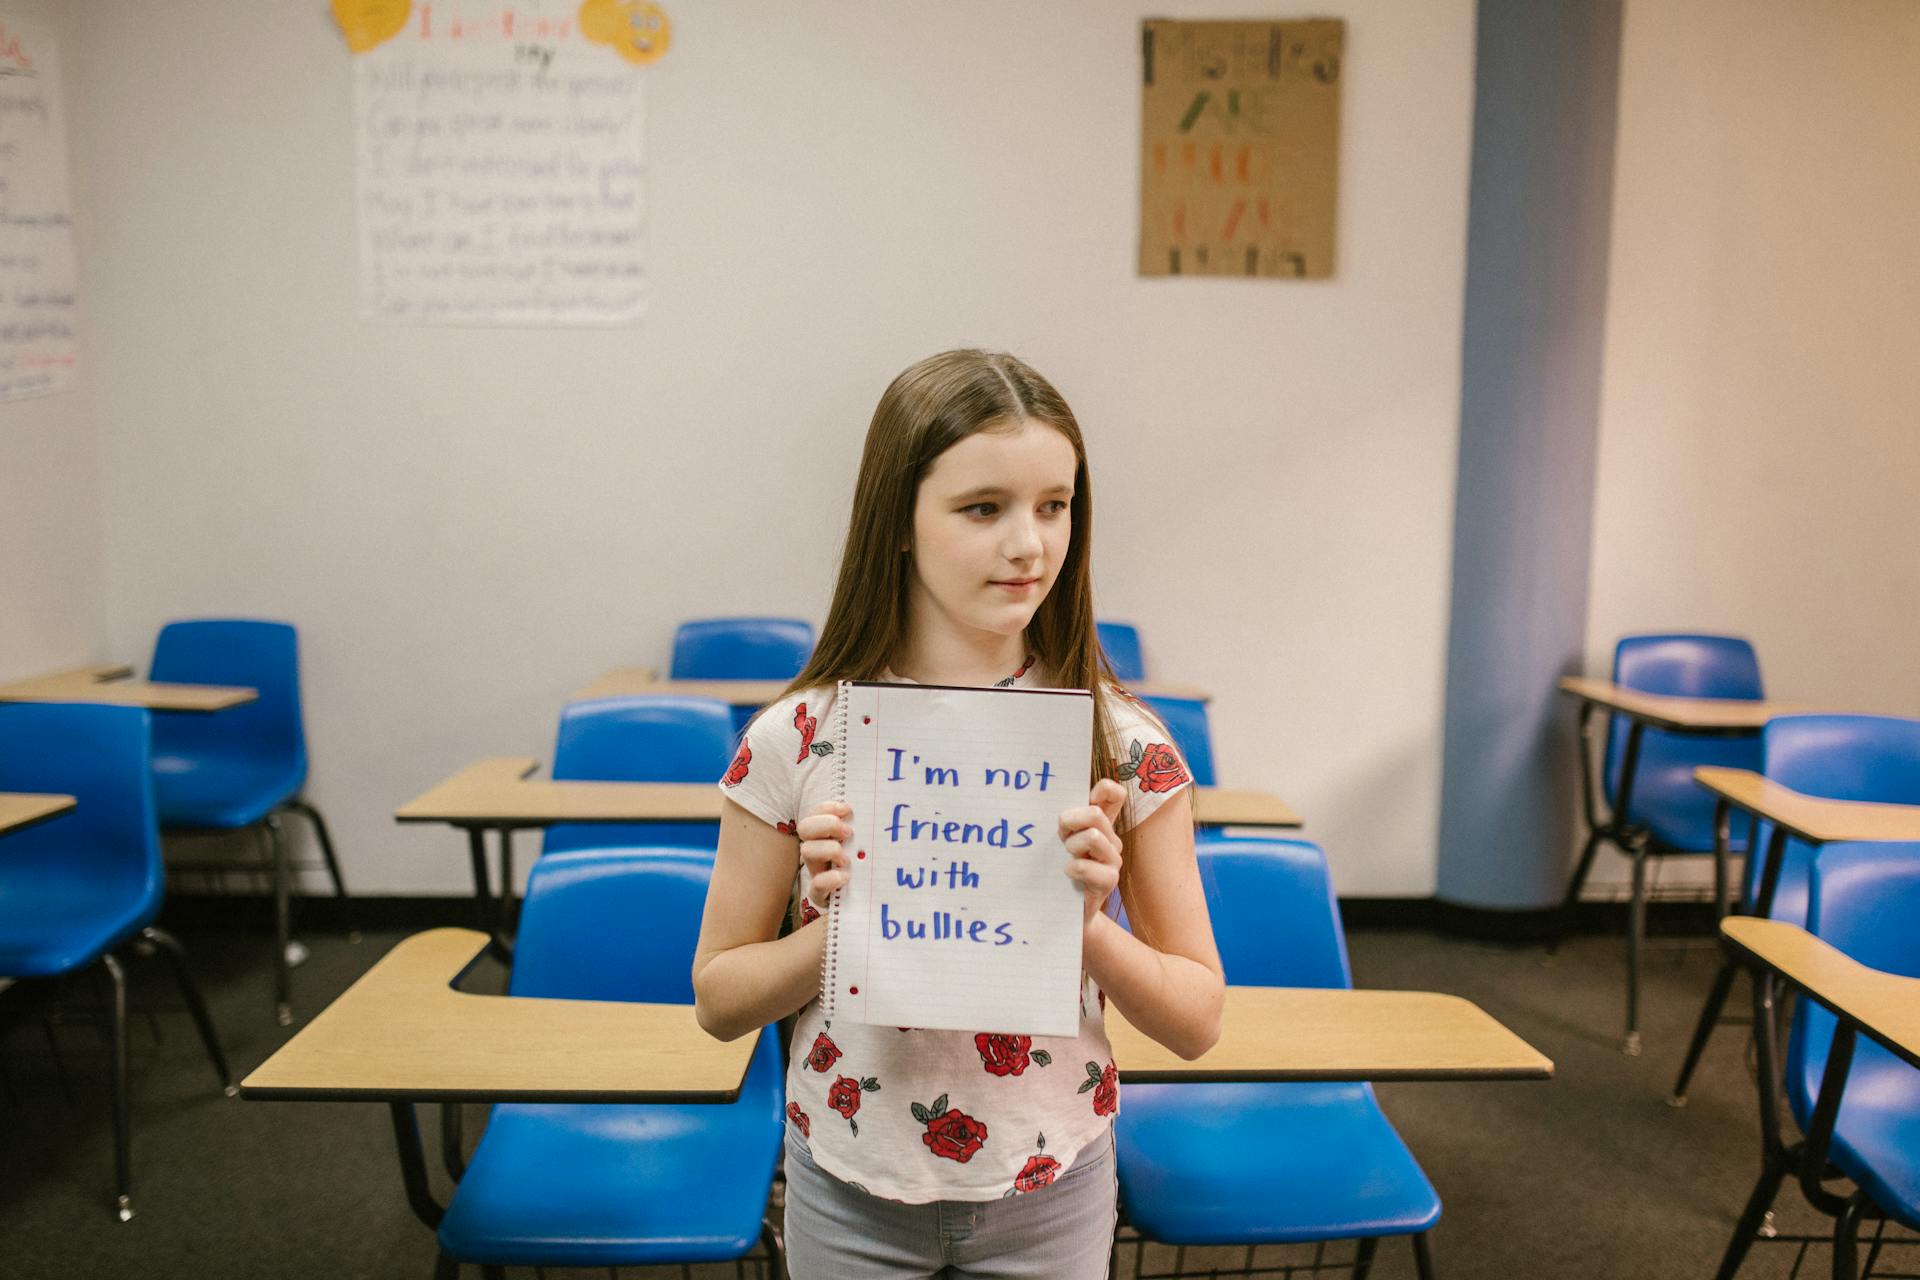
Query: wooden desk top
point(498, 792)
point(627, 681)
point(1294, 1033)
point(1885, 1005)
point(402, 1033)
point(109, 684)
point(1679, 715)
point(24, 808)
point(1230, 807)
point(1811, 818)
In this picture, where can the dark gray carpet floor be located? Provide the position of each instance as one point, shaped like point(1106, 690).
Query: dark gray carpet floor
point(1590, 1175)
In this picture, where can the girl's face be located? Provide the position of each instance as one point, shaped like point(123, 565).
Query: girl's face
point(991, 525)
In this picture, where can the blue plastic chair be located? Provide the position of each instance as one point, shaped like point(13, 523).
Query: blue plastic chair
point(1223, 1164)
point(741, 649)
point(76, 888)
point(644, 738)
point(1666, 800)
point(1121, 641)
point(1863, 899)
point(1664, 812)
point(618, 1185)
point(239, 769)
point(1186, 720)
point(1875, 759)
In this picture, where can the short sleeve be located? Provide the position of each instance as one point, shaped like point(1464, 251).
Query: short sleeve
point(764, 778)
point(1151, 768)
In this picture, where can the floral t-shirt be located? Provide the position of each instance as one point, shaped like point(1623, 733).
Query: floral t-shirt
point(920, 1115)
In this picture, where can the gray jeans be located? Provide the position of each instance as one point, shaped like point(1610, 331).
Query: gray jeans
point(1060, 1232)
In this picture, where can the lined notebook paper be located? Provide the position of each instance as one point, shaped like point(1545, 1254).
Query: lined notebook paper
point(957, 912)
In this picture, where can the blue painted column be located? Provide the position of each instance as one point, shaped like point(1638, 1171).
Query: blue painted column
point(1546, 84)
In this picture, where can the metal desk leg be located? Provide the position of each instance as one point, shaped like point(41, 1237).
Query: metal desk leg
point(1723, 979)
point(493, 910)
point(1636, 933)
point(413, 1166)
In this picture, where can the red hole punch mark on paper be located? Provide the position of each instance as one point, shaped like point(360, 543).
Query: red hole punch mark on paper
point(866, 719)
point(853, 991)
point(861, 854)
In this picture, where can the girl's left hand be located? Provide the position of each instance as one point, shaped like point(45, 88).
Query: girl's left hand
point(1089, 836)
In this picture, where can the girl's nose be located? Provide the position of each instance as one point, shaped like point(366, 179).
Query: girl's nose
point(1023, 540)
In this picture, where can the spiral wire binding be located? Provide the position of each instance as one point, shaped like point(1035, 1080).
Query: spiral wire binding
point(830, 960)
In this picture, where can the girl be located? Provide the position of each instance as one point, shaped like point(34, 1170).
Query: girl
point(909, 1151)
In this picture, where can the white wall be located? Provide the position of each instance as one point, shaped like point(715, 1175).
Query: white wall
point(468, 524)
point(1759, 464)
point(52, 580)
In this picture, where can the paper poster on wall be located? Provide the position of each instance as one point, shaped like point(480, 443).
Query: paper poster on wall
point(502, 171)
point(1239, 147)
point(38, 347)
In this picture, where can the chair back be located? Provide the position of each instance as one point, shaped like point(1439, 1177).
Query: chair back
point(1275, 918)
point(643, 738)
point(1121, 641)
point(264, 656)
point(106, 849)
point(1687, 666)
point(1872, 759)
point(1863, 899)
point(1186, 720)
point(741, 649)
point(611, 924)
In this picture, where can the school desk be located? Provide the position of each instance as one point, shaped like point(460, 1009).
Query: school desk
point(403, 1035)
point(1811, 819)
point(499, 795)
point(1712, 717)
point(110, 684)
point(625, 681)
point(20, 809)
point(1884, 1007)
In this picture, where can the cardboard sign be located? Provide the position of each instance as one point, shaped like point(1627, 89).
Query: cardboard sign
point(1239, 147)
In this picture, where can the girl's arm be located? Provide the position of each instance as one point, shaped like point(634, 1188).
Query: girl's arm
point(1173, 989)
point(744, 974)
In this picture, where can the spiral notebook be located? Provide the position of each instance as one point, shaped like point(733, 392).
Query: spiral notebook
point(957, 912)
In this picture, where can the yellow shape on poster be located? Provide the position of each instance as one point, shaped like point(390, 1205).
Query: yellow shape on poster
point(368, 24)
point(636, 30)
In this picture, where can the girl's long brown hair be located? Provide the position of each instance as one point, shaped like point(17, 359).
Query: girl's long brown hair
point(927, 410)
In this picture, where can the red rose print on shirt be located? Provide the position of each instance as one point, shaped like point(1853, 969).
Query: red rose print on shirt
point(1008, 1055)
point(807, 724)
point(823, 1054)
point(808, 912)
point(844, 1097)
point(1106, 1088)
point(1038, 1172)
point(737, 771)
point(1016, 675)
point(951, 1135)
point(799, 1118)
point(1156, 767)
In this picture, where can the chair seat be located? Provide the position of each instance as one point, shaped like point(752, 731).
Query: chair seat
point(53, 921)
point(1266, 1164)
point(619, 1185)
point(221, 793)
point(1876, 1139)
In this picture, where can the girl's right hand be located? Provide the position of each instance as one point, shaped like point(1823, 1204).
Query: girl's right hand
point(822, 835)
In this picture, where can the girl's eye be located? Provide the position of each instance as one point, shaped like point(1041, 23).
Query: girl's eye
point(981, 510)
point(1057, 506)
